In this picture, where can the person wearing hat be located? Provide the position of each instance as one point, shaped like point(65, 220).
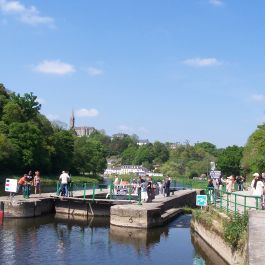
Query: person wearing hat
point(257, 185)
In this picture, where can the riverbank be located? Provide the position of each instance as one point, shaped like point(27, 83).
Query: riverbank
point(226, 234)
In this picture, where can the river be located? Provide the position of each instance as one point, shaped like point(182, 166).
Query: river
point(62, 241)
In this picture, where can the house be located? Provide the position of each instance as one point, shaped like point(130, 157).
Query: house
point(143, 142)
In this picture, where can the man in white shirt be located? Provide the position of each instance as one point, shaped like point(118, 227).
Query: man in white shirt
point(64, 179)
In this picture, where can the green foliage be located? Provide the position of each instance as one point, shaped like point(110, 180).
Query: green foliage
point(89, 156)
point(229, 160)
point(254, 152)
point(189, 160)
point(235, 229)
point(28, 140)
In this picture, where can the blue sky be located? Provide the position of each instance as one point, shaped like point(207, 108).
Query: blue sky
point(167, 70)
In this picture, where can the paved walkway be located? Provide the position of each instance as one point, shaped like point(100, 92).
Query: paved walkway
point(239, 201)
point(256, 235)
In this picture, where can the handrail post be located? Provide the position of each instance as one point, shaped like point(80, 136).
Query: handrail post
point(139, 195)
point(57, 188)
point(84, 196)
point(227, 202)
point(214, 197)
point(110, 189)
point(235, 203)
point(130, 190)
point(257, 203)
point(245, 204)
point(94, 189)
point(221, 199)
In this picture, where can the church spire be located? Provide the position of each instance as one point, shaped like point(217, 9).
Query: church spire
point(72, 120)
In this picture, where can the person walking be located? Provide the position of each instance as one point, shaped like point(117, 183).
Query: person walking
point(64, 179)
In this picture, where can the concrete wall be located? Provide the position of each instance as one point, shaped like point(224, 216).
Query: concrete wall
point(219, 245)
point(30, 208)
point(82, 208)
point(152, 214)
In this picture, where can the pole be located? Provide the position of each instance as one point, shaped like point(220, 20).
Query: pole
point(84, 196)
point(94, 188)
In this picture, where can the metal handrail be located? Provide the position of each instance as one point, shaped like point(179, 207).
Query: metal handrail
point(230, 201)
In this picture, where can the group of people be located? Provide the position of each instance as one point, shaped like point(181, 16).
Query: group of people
point(28, 181)
point(147, 184)
point(257, 184)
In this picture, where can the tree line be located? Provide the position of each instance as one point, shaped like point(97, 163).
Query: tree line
point(28, 140)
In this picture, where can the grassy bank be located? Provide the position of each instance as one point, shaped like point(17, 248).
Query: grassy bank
point(232, 229)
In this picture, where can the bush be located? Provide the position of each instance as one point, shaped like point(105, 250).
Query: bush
point(235, 229)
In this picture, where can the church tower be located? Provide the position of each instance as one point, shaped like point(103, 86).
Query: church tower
point(72, 121)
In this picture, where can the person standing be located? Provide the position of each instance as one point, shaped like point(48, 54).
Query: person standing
point(64, 179)
point(36, 182)
point(149, 189)
point(22, 183)
point(167, 187)
point(239, 181)
point(257, 185)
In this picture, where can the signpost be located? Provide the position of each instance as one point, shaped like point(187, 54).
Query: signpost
point(11, 185)
point(215, 174)
point(201, 200)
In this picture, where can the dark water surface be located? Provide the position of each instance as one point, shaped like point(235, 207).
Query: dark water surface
point(60, 241)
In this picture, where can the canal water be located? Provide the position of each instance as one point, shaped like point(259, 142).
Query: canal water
point(62, 241)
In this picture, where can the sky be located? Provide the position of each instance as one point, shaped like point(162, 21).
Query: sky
point(167, 70)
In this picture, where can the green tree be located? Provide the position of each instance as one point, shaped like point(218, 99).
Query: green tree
point(62, 150)
point(89, 156)
point(229, 160)
point(254, 152)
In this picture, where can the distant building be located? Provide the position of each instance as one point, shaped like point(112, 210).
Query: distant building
point(119, 135)
point(143, 142)
point(131, 169)
point(80, 131)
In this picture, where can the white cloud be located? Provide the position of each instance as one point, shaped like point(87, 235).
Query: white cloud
point(258, 97)
point(93, 71)
point(54, 67)
point(216, 2)
point(87, 113)
point(28, 15)
point(202, 62)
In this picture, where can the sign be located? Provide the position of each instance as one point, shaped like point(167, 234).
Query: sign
point(214, 174)
point(11, 185)
point(201, 200)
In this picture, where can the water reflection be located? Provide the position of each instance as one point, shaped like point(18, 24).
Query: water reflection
point(141, 240)
point(207, 254)
point(67, 240)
